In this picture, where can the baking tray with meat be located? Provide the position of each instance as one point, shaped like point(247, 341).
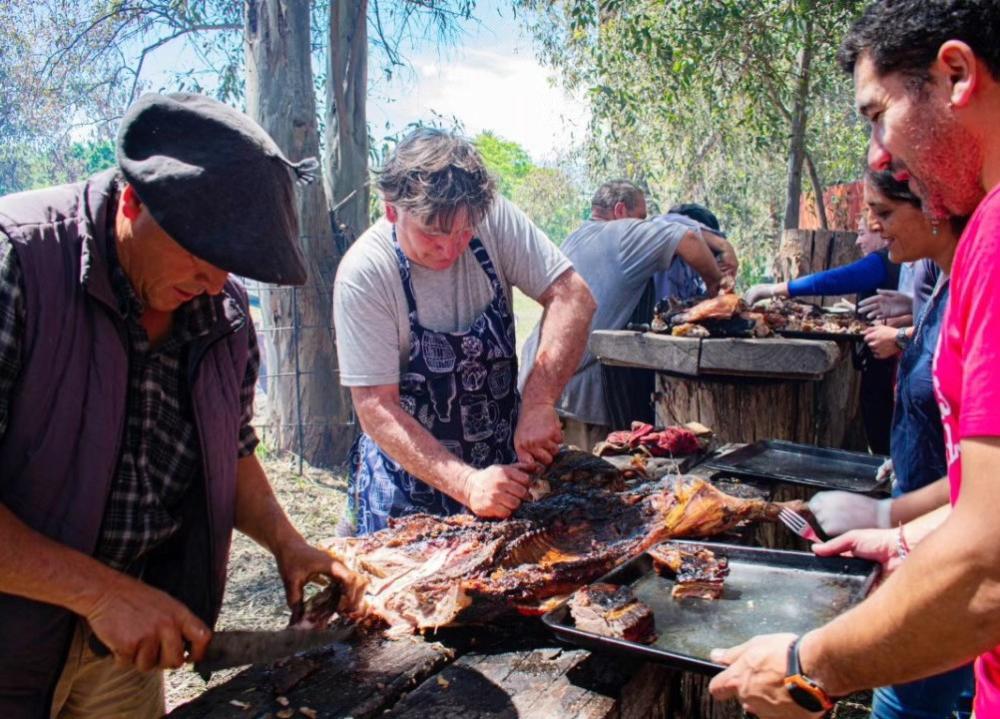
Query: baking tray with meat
point(802, 320)
point(766, 591)
point(780, 461)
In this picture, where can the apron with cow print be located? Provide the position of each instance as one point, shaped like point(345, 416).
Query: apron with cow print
point(462, 387)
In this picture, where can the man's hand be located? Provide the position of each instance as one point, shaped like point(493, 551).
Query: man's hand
point(497, 491)
point(300, 563)
point(839, 512)
point(144, 627)
point(881, 339)
point(729, 264)
point(538, 434)
point(765, 291)
point(885, 304)
point(756, 677)
point(877, 545)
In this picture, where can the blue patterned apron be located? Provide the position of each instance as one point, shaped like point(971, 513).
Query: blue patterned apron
point(462, 387)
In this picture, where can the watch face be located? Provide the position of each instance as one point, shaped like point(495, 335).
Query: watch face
point(804, 698)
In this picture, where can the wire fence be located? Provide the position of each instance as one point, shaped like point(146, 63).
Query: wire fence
point(300, 406)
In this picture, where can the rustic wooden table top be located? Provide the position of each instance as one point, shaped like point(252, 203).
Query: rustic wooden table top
point(771, 357)
point(474, 675)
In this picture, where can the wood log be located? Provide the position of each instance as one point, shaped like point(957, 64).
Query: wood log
point(647, 350)
point(824, 412)
point(359, 681)
point(538, 684)
point(769, 357)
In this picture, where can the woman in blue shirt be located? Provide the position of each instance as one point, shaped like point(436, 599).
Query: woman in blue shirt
point(865, 277)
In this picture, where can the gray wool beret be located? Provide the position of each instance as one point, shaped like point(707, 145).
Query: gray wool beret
point(216, 183)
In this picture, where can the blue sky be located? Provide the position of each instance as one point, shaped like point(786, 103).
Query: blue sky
point(490, 80)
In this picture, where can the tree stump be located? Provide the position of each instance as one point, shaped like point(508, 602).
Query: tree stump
point(804, 252)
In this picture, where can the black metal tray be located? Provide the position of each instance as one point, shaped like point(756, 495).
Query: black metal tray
point(804, 335)
point(767, 590)
point(777, 460)
point(836, 336)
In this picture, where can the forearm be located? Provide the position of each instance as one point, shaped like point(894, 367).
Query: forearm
point(563, 334)
point(36, 567)
point(912, 505)
point(404, 439)
point(934, 613)
point(695, 252)
point(862, 276)
point(718, 243)
point(258, 513)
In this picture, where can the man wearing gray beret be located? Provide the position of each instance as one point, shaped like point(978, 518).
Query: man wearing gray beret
point(128, 361)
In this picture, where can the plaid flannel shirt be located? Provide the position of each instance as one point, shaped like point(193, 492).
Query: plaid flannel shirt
point(161, 455)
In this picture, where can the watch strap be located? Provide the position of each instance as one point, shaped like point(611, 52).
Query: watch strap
point(806, 692)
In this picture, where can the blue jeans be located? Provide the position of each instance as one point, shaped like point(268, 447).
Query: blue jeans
point(936, 697)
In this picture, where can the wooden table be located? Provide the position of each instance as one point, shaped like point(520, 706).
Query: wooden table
point(523, 674)
point(747, 389)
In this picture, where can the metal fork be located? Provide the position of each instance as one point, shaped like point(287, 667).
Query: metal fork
point(798, 524)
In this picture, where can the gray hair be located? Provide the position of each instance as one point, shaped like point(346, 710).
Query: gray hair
point(614, 191)
point(433, 174)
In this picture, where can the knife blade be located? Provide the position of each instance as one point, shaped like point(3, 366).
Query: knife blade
point(234, 648)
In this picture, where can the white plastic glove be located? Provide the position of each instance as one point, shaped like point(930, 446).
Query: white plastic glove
point(764, 291)
point(839, 512)
point(886, 304)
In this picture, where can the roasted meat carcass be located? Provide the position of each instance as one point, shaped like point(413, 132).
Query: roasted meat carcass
point(724, 315)
point(610, 610)
point(425, 572)
point(697, 570)
point(720, 307)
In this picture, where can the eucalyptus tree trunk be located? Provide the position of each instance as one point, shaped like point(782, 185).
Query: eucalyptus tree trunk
point(310, 411)
point(818, 189)
point(800, 117)
point(346, 120)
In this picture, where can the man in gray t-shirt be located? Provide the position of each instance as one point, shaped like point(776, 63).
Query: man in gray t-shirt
point(425, 339)
point(617, 251)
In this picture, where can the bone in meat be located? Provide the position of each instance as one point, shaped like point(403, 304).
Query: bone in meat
point(425, 572)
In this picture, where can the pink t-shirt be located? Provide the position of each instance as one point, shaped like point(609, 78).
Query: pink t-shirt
point(967, 378)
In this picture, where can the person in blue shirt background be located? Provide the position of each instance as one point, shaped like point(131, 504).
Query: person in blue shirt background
point(865, 277)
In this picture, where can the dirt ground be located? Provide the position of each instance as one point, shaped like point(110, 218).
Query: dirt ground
point(254, 596)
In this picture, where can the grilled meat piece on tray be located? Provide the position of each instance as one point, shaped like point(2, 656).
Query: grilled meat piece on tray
point(611, 610)
point(697, 571)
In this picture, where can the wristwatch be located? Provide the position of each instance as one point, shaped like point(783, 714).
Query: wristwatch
point(805, 692)
point(902, 338)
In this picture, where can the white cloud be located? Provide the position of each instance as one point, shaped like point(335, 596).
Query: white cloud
point(510, 94)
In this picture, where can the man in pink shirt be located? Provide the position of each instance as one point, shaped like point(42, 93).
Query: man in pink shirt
point(927, 78)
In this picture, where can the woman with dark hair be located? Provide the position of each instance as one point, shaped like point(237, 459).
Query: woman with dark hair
point(865, 277)
point(917, 445)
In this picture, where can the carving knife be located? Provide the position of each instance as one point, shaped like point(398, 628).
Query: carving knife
point(234, 648)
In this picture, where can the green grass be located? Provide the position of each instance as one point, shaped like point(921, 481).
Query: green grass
point(527, 313)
